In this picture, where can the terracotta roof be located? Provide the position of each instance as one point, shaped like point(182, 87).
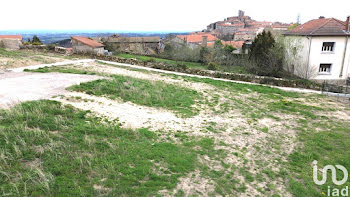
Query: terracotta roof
point(320, 27)
point(236, 44)
point(197, 38)
point(19, 37)
point(87, 41)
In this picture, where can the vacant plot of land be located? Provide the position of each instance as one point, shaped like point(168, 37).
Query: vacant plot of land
point(15, 59)
point(126, 135)
point(196, 65)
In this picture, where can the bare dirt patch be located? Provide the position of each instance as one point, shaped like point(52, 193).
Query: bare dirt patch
point(248, 144)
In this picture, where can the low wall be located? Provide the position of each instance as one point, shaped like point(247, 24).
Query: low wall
point(218, 74)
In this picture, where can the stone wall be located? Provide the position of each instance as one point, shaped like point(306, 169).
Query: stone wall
point(10, 44)
point(135, 48)
point(300, 83)
point(81, 48)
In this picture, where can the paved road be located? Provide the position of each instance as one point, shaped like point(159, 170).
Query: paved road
point(23, 86)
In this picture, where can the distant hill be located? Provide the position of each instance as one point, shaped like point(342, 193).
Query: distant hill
point(51, 37)
point(64, 43)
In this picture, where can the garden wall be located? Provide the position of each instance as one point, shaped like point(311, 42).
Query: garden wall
point(300, 83)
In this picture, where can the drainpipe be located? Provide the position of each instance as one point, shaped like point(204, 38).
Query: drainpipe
point(344, 56)
point(308, 57)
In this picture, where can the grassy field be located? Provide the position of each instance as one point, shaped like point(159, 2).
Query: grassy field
point(143, 92)
point(20, 58)
point(50, 149)
point(234, 69)
point(148, 58)
point(243, 140)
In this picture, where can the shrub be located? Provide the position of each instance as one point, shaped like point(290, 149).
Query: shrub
point(213, 66)
point(51, 47)
point(37, 43)
point(229, 48)
point(182, 66)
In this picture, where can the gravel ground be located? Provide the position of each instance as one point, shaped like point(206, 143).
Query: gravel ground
point(20, 86)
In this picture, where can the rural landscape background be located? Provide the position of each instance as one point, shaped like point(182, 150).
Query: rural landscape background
point(211, 102)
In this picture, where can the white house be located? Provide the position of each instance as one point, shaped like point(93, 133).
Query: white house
point(320, 50)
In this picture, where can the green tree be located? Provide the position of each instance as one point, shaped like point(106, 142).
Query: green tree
point(204, 55)
point(229, 48)
point(36, 41)
point(218, 44)
point(266, 55)
point(293, 26)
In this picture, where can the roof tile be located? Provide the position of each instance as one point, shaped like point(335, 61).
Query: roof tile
point(320, 27)
point(87, 41)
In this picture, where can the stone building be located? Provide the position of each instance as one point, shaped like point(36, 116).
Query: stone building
point(13, 42)
point(136, 45)
point(82, 44)
point(197, 39)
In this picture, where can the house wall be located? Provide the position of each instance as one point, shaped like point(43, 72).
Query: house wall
point(244, 37)
point(146, 48)
point(14, 44)
point(79, 47)
point(297, 51)
point(317, 57)
point(306, 62)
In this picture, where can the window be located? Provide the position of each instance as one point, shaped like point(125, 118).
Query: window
point(325, 68)
point(328, 46)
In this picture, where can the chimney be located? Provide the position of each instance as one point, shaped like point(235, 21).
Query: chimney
point(205, 41)
point(347, 24)
point(321, 17)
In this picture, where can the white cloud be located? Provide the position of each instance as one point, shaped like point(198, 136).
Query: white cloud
point(156, 15)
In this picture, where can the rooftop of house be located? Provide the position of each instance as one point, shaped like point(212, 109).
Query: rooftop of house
point(17, 37)
point(195, 38)
point(236, 44)
point(320, 27)
point(88, 41)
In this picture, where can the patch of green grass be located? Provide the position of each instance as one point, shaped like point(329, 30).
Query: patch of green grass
point(196, 65)
point(60, 69)
point(47, 149)
point(144, 92)
point(268, 92)
point(6, 53)
point(326, 141)
point(155, 59)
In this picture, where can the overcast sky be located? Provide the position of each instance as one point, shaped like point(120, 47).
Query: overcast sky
point(156, 15)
